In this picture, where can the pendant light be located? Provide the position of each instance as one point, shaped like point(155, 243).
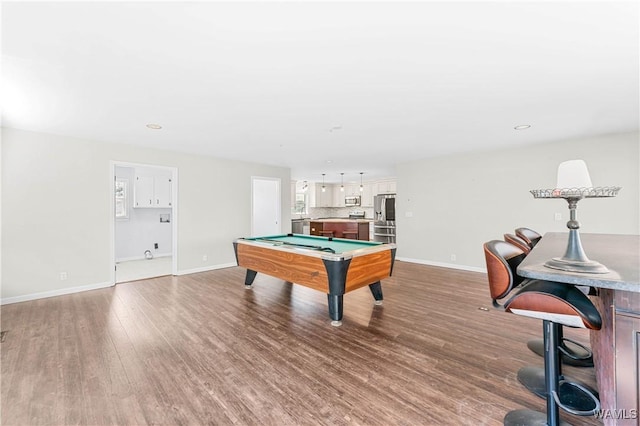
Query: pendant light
point(342, 182)
point(361, 187)
point(324, 188)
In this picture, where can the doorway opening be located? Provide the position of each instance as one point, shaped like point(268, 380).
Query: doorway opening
point(144, 222)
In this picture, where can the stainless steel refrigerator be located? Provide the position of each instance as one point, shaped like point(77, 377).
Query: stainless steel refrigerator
point(384, 214)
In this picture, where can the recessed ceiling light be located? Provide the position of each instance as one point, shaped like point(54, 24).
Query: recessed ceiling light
point(154, 126)
point(522, 127)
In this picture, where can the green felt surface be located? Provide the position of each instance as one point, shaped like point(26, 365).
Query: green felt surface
point(338, 245)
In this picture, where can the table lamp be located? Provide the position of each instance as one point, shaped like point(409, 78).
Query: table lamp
point(574, 184)
point(573, 174)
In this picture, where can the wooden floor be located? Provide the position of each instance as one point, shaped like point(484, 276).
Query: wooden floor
point(201, 349)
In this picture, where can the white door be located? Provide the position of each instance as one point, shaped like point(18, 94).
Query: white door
point(265, 207)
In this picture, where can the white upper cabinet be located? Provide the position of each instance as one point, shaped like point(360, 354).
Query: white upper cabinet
point(143, 191)
point(367, 194)
point(323, 198)
point(162, 191)
point(352, 189)
point(386, 187)
point(338, 196)
point(334, 197)
point(152, 190)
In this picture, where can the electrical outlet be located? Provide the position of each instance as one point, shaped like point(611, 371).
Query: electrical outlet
point(408, 214)
point(63, 276)
point(453, 257)
point(155, 246)
point(558, 216)
point(204, 258)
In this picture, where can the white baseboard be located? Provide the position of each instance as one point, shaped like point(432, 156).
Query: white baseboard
point(206, 268)
point(443, 265)
point(53, 293)
point(70, 290)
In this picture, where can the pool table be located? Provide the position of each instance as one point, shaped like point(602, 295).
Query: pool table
point(332, 265)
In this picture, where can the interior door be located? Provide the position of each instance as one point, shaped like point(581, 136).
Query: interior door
point(265, 206)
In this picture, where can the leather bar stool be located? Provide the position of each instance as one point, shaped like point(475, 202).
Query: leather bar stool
point(555, 304)
point(529, 235)
point(545, 300)
point(518, 242)
point(572, 352)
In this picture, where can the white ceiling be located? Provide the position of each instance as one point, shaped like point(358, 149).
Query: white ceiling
point(365, 85)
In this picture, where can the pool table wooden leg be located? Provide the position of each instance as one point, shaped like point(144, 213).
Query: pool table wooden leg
point(335, 309)
point(251, 275)
point(376, 290)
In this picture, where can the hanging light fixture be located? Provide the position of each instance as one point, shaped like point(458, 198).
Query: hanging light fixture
point(324, 188)
point(342, 182)
point(361, 187)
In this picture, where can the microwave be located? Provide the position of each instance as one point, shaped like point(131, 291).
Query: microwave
point(352, 201)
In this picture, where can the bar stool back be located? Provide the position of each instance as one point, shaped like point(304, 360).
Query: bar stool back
point(529, 235)
point(502, 260)
point(518, 242)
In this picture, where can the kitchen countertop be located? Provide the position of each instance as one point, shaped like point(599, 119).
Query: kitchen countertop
point(619, 253)
point(346, 219)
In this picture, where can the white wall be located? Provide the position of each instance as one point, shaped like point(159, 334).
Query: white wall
point(458, 202)
point(142, 228)
point(56, 197)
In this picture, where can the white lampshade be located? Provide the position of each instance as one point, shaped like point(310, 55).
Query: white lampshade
point(573, 174)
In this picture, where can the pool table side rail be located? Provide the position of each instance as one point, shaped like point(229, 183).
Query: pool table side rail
point(321, 254)
point(308, 268)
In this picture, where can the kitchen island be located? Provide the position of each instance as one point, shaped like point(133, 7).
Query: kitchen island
point(354, 229)
point(616, 352)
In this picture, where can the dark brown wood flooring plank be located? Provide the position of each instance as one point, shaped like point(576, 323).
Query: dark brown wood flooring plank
point(201, 349)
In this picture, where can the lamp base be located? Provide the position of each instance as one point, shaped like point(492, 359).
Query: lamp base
point(588, 266)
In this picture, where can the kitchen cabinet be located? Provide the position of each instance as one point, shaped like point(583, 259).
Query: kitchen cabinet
point(151, 191)
point(310, 196)
point(627, 337)
point(352, 229)
point(367, 195)
point(322, 199)
point(386, 187)
point(338, 196)
point(352, 189)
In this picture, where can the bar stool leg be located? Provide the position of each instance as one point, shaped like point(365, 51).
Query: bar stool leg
point(551, 363)
point(576, 354)
point(575, 398)
point(551, 370)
